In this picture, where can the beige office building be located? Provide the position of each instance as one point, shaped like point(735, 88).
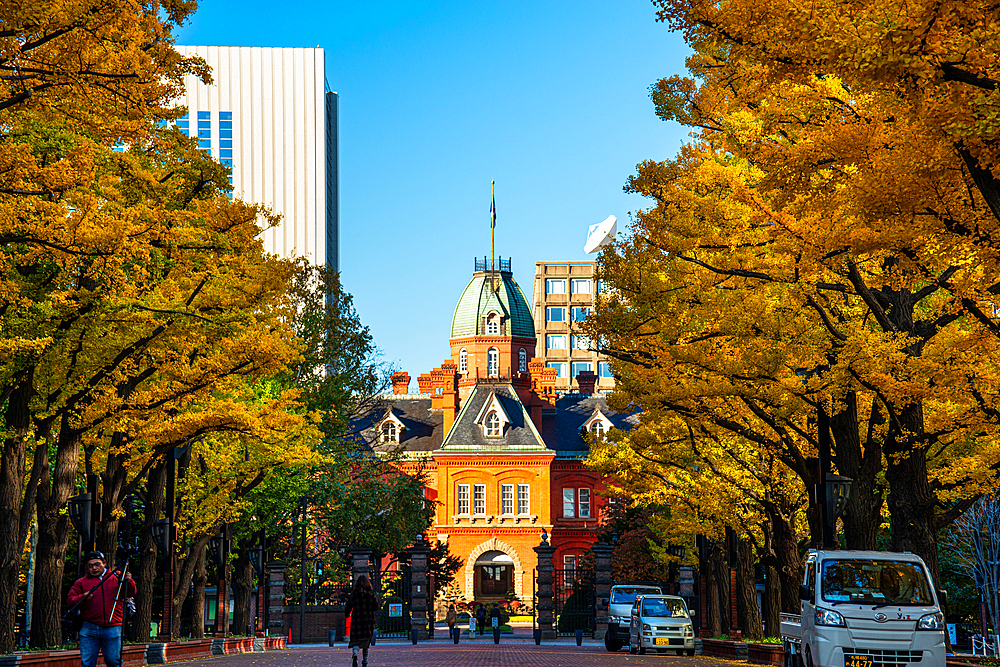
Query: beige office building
point(564, 293)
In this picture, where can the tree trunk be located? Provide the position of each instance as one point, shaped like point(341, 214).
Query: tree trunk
point(712, 583)
point(243, 590)
point(15, 502)
point(746, 587)
point(198, 597)
point(184, 571)
point(54, 489)
point(790, 568)
point(863, 514)
point(149, 555)
point(113, 491)
point(772, 587)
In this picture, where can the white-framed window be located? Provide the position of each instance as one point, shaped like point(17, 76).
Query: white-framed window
point(553, 286)
point(523, 499)
point(581, 366)
point(602, 287)
point(493, 425)
point(555, 314)
point(579, 286)
point(584, 503)
point(463, 361)
point(463, 498)
point(578, 342)
point(560, 367)
point(389, 432)
point(507, 499)
point(597, 428)
point(522, 360)
point(569, 503)
point(479, 499)
point(580, 313)
point(493, 362)
point(569, 563)
point(555, 341)
point(492, 324)
point(604, 369)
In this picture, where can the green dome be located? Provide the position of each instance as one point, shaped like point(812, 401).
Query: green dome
point(478, 300)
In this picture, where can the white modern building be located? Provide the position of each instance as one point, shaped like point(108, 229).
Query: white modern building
point(270, 117)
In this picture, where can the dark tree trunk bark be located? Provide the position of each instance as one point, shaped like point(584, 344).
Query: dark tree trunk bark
point(16, 502)
point(149, 554)
point(198, 597)
point(54, 489)
point(721, 567)
point(183, 575)
point(243, 590)
point(712, 583)
point(863, 514)
point(772, 587)
point(114, 481)
point(746, 587)
point(790, 567)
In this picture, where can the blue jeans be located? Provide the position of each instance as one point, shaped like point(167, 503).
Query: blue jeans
point(94, 638)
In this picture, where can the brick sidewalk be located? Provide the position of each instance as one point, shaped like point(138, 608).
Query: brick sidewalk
point(466, 654)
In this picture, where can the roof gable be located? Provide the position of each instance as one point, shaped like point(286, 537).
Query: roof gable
point(468, 437)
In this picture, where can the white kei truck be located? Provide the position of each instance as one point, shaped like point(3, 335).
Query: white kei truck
point(865, 609)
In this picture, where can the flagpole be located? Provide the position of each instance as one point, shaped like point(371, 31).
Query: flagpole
point(493, 226)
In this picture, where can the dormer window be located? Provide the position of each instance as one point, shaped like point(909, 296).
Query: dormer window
point(493, 425)
point(597, 428)
point(493, 325)
point(463, 361)
point(493, 362)
point(390, 433)
point(597, 424)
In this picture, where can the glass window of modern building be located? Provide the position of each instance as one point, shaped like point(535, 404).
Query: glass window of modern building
point(555, 314)
point(580, 286)
point(560, 367)
point(604, 370)
point(580, 367)
point(555, 286)
point(578, 342)
point(555, 342)
point(580, 313)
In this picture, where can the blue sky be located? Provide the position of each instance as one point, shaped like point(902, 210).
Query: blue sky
point(549, 99)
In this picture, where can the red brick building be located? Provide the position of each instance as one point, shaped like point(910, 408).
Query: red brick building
point(503, 449)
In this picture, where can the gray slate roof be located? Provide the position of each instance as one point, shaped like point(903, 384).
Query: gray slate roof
point(562, 430)
point(519, 436)
point(424, 429)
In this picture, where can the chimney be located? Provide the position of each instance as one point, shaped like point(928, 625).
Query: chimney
point(400, 382)
point(424, 382)
point(587, 381)
point(543, 389)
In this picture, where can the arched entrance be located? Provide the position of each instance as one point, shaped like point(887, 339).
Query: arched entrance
point(493, 569)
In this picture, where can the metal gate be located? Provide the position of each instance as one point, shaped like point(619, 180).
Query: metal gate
point(394, 595)
point(574, 601)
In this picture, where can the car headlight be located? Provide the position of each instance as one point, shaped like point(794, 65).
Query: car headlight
point(829, 617)
point(931, 622)
point(687, 631)
point(645, 626)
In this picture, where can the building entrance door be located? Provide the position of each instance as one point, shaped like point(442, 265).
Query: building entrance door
point(495, 580)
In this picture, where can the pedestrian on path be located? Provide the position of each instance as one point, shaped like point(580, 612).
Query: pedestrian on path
point(361, 607)
point(101, 610)
point(480, 618)
point(451, 618)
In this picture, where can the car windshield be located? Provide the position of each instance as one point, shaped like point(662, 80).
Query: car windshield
point(662, 607)
point(875, 582)
point(628, 595)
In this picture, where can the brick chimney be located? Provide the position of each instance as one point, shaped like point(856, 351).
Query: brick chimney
point(424, 382)
point(543, 390)
point(587, 381)
point(400, 382)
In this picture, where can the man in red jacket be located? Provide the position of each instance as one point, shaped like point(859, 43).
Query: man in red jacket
point(102, 615)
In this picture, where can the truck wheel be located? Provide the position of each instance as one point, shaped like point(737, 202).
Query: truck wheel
point(807, 659)
point(631, 649)
point(642, 650)
point(611, 642)
point(690, 651)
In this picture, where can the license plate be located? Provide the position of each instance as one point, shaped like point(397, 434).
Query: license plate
point(856, 660)
point(663, 640)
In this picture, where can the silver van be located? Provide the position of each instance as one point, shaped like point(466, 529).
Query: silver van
point(620, 612)
point(661, 623)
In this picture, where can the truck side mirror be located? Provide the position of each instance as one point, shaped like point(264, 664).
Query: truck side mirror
point(693, 612)
point(804, 592)
point(942, 596)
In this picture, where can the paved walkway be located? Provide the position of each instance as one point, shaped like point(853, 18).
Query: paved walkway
point(466, 654)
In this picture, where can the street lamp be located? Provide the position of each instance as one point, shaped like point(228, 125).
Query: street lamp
point(215, 549)
point(79, 515)
point(838, 492)
point(161, 534)
point(256, 558)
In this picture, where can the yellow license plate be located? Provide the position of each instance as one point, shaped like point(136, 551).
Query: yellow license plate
point(855, 660)
point(663, 640)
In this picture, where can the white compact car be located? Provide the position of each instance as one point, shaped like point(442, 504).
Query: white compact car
point(661, 623)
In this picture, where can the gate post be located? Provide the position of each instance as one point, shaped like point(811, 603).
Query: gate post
point(602, 587)
point(361, 565)
point(546, 594)
point(419, 587)
point(276, 598)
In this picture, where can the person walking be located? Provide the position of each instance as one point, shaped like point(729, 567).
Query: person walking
point(102, 613)
point(361, 607)
point(451, 618)
point(480, 618)
point(495, 616)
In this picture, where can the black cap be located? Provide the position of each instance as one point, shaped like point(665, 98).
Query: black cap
point(94, 555)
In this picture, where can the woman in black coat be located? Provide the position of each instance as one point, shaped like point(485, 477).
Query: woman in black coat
point(362, 608)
